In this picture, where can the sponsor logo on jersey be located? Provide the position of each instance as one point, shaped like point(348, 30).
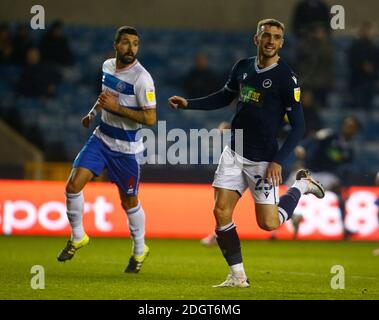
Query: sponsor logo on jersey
point(296, 94)
point(250, 94)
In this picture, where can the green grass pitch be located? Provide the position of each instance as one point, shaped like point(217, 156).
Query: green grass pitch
point(183, 269)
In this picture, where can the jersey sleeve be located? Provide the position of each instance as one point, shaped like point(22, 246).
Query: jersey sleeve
point(103, 69)
point(294, 111)
point(145, 91)
point(232, 83)
point(291, 92)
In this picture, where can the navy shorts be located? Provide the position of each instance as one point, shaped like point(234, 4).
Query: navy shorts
point(123, 169)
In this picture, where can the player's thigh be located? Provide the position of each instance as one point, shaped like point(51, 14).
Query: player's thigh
point(78, 178)
point(265, 194)
point(262, 190)
point(267, 216)
point(88, 163)
point(229, 174)
point(225, 202)
point(124, 171)
point(226, 199)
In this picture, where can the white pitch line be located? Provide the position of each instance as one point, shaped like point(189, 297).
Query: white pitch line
point(317, 274)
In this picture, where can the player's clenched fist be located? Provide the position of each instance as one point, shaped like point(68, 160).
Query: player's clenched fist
point(178, 102)
point(86, 121)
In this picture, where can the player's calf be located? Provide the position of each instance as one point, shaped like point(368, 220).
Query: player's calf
point(229, 243)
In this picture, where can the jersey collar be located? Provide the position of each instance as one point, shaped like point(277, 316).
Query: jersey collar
point(127, 67)
point(258, 70)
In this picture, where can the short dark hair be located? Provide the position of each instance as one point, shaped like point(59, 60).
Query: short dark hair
point(124, 30)
point(270, 22)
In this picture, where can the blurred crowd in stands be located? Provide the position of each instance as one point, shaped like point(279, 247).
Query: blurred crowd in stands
point(44, 64)
point(40, 61)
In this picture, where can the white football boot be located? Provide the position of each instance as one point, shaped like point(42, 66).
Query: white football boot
point(314, 187)
point(233, 281)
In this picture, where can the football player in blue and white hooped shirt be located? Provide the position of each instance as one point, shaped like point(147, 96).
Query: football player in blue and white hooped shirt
point(127, 102)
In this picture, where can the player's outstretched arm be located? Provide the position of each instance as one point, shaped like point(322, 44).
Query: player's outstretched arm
point(147, 117)
point(86, 121)
point(216, 100)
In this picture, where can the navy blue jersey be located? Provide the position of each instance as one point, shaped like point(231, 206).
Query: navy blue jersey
point(264, 97)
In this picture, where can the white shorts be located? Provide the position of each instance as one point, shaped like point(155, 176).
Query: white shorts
point(237, 173)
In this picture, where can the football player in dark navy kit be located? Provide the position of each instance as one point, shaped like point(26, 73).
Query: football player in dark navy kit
point(267, 90)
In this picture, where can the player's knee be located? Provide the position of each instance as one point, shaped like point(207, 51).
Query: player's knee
point(268, 225)
point(221, 212)
point(129, 203)
point(73, 186)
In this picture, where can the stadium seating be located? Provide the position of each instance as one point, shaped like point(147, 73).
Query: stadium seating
point(167, 54)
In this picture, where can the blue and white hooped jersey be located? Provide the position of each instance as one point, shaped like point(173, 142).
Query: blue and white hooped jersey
point(134, 88)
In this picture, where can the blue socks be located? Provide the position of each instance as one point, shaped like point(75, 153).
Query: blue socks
point(288, 203)
point(229, 243)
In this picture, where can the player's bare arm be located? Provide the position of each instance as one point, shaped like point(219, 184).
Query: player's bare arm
point(109, 102)
point(86, 121)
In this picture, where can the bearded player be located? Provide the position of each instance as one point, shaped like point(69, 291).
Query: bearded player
point(127, 102)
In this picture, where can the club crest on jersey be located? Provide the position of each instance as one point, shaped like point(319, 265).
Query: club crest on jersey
point(267, 83)
point(296, 94)
point(121, 85)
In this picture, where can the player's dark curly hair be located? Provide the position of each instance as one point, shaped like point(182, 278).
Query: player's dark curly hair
point(124, 30)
